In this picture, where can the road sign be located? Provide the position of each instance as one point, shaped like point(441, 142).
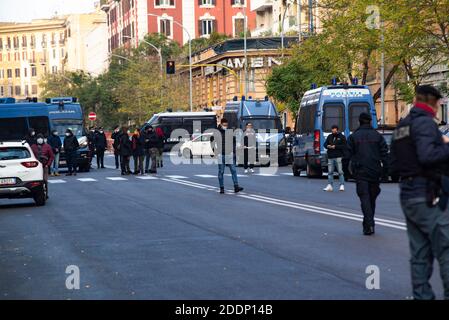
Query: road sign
point(92, 116)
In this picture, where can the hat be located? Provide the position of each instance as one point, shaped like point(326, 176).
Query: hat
point(365, 117)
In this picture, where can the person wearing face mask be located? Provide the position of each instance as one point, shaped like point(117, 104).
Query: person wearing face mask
point(223, 143)
point(116, 138)
point(55, 143)
point(43, 152)
point(30, 138)
point(125, 148)
point(71, 147)
point(138, 151)
point(152, 143)
point(100, 143)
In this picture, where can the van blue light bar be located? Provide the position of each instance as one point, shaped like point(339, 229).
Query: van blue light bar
point(57, 100)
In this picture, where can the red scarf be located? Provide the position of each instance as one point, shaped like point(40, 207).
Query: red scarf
point(426, 108)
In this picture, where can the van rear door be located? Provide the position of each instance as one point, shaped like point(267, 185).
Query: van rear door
point(355, 109)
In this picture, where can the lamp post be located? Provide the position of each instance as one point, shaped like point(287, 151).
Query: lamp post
point(282, 28)
point(299, 21)
point(190, 58)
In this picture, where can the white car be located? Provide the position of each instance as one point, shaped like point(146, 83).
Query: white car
point(21, 174)
point(199, 146)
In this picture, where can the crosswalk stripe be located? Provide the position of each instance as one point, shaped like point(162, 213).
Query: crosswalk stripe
point(266, 174)
point(116, 178)
point(87, 180)
point(176, 177)
point(287, 174)
point(147, 178)
point(56, 181)
point(239, 175)
point(205, 176)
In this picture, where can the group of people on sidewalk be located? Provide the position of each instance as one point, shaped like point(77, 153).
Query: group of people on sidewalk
point(146, 147)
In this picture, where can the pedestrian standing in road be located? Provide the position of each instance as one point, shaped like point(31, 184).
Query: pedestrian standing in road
point(336, 145)
point(30, 138)
point(420, 154)
point(249, 148)
point(368, 155)
point(224, 145)
point(160, 155)
point(43, 152)
point(152, 143)
point(101, 143)
point(115, 145)
point(138, 151)
point(55, 143)
point(125, 148)
point(71, 147)
point(91, 144)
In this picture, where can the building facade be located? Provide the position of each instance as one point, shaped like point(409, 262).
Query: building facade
point(28, 51)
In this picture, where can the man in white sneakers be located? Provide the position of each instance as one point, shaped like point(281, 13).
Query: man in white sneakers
point(335, 145)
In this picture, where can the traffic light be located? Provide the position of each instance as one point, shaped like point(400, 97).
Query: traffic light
point(171, 67)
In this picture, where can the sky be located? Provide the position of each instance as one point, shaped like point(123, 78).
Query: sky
point(26, 10)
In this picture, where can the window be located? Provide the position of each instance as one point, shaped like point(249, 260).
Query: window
point(1, 43)
point(9, 73)
point(33, 41)
point(2, 91)
point(355, 109)
point(206, 27)
point(54, 69)
point(165, 27)
point(25, 72)
point(305, 122)
point(164, 3)
point(207, 2)
point(27, 92)
point(34, 89)
point(2, 73)
point(17, 72)
point(11, 153)
point(237, 2)
point(17, 90)
point(40, 124)
point(252, 80)
point(239, 26)
point(13, 128)
point(334, 114)
point(24, 41)
point(33, 71)
point(44, 41)
point(16, 42)
point(54, 53)
point(10, 91)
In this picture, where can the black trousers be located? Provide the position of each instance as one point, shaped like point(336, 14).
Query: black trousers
point(117, 160)
point(368, 193)
point(100, 158)
point(71, 161)
point(124, 162)
point(248, 159)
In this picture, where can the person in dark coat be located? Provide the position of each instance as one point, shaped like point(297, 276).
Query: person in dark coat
point(91, 144)
point(160, 155)
point(55, 143)
point(116, 142)
point(336, 145)
point(125, 149)
point(152, 145)
point(420, 154)
point(138, 151)
point(101, 143)
point(30, 138)
point(71, 147)
point(368, 154)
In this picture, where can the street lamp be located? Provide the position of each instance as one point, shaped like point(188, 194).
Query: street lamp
point(282, 28)
point(190, 58)
point(121, 57)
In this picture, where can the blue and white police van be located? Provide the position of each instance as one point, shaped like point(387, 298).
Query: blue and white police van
point(320, 109)
point(270, 135)
point(60, 114)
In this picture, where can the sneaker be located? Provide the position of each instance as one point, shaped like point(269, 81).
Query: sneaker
point(246, 170)
point(57, 174)
point(342, 187)
point(237, 189)
point(251, 170)
point(328, 188)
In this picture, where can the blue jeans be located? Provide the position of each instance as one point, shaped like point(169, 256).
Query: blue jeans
point(228, 161)
point(55, 166)
point(331, 164)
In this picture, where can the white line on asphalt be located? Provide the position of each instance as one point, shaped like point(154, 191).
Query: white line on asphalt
point(309, 208)
point(116, 179)
point(175, 177)
point(287, 174)
point(87, 180)
point(57, 181)
point(147, 178)
point(238, 176)
point(266, 174)
point(205, 176)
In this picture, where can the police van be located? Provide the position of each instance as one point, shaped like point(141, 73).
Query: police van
point(270, 134)
point(320, 109)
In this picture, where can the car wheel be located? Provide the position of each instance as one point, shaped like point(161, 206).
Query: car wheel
point(40, 197)
point(186, 153)
point(313, 172)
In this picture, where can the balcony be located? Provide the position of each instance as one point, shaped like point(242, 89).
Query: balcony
point(261, 5)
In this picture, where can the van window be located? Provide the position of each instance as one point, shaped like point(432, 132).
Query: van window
point(355, 109)
point(334, 114)
point(39, 124)
point(306, 119)
point(13, 128)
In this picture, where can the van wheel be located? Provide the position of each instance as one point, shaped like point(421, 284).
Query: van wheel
point(313, 172)
point(40, 197)
point(186, 153)
point(296, 171)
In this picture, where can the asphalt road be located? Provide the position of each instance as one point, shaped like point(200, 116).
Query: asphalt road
point(173, 236)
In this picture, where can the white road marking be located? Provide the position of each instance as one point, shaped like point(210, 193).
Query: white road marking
point(176, 177)
point(87, 180)
point(205, 176)
point(266, 174)
point(147, 178)
point(56, 181)
point(116, 179)
point(287, 174)
point(300, 206)
point(238, 175)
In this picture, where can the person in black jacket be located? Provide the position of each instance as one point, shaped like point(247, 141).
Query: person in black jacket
point(55, 143)
point(116, 137)
point(420, 154)
point(125, 148)
point(71, 147)
point(368, 155)
point(91, 144)
point(152, 145)
point(31, 137)
point(336, 145)
point(100, 144)
point(138, 151)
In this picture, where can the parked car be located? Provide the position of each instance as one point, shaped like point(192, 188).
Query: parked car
point(198, 146)
point(21, 174)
